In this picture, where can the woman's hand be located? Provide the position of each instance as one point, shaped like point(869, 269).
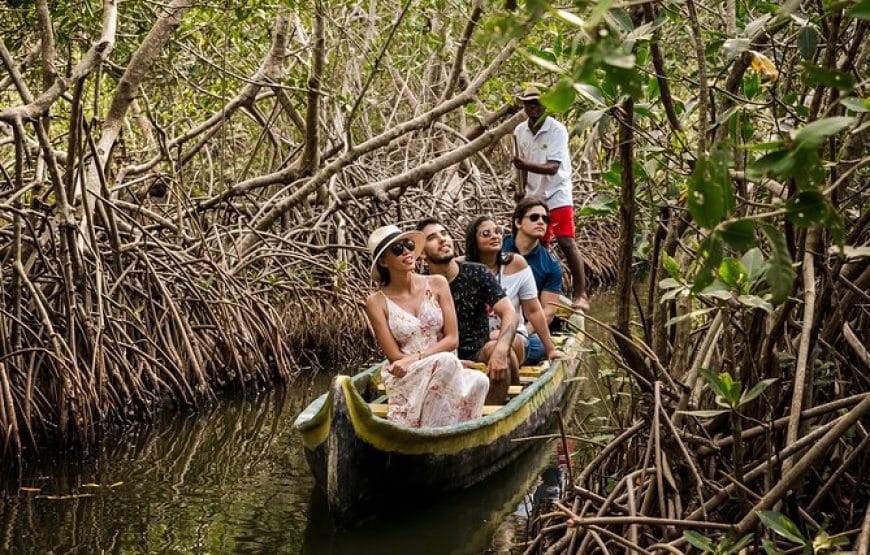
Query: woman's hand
point(400, 367)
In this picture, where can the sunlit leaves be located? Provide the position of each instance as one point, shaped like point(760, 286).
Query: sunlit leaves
point(558, 99)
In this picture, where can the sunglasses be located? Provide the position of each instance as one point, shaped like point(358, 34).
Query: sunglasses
point(401, 246)
point(536, 217)
point(487, 233)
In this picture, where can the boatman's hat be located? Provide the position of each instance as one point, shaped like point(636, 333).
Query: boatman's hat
point(383, 237)
point(530, 93)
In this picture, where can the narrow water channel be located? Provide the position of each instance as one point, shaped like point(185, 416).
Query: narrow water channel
point(233, 479)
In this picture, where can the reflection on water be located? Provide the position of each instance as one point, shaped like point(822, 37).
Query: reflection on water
point(233, 479)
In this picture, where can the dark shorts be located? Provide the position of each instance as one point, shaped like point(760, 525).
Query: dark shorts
point(561, 223)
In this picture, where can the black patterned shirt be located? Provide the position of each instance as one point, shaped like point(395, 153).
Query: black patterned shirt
point(475, 291)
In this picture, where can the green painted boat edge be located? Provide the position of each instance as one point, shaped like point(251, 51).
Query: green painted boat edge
point(313, 423)
point(387, 436)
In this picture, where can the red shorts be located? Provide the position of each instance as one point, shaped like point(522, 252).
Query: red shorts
point(561, 223)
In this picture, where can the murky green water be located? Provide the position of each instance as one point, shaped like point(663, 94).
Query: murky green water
point(233, 479)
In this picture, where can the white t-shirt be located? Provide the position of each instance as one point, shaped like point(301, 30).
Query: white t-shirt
point(549, 144)
point(517, 287)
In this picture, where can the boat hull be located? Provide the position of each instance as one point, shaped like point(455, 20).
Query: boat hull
point(366, 463)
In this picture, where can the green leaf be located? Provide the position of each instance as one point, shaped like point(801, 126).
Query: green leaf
point(778, 162)
point(671, 266)
point(734, 275)
point(590, 93)
point(808, 208)
point(856, 104)
point(697, 540)
point(739, 234)
point(814, 75)
point(569, 18)
point(598, 12)
point(861, 10)
point(688, 316)
point(756, 390)
point(723, 385)
point(770, 548)
point(710, 255)
point(710, 196)
point(812, 135)
point(736, 547)
point(669, 283)
point(588, 119)
point(559, 98)
point(753, 261)
point(808, 40)
point(780, 273)
point(754, 301)
point(624, 61)
point(781, 525)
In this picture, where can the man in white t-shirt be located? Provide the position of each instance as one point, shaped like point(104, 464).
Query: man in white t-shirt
point(545, 164)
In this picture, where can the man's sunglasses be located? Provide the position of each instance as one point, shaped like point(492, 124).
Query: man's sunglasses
point(401, 246)
point(487, 233)
point(536, 217)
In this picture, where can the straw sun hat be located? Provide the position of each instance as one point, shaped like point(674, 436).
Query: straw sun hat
point(383, 237)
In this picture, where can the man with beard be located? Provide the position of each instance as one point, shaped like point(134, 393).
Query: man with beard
point(475, 290)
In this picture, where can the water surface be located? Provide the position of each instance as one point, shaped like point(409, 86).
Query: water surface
point(233, 479)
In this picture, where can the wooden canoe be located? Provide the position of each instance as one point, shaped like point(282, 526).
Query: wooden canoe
point(365, 462)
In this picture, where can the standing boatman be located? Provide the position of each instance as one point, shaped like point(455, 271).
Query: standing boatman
point(545, 169)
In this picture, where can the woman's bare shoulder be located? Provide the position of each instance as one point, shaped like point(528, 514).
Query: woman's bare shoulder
point(517, 264)
point(372, 300)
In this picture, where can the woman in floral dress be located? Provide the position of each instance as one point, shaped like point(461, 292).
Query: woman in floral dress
point(415, 325)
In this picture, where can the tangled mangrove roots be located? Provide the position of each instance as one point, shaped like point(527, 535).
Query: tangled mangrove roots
point(714, 467)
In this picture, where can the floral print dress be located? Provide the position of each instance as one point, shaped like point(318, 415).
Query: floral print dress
point(437, 390)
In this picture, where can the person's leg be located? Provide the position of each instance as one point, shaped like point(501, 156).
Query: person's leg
point(578, 272)
point(534, 350)
point(498, 388)
point(562, 220)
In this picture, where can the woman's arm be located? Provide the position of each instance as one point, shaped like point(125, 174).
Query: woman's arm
point(377, 313)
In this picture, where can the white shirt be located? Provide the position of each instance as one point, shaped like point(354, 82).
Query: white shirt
point(549, 144)
point(517, 287)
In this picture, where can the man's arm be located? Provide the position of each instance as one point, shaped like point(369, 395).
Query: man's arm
point(550, 167)
point(549, 300)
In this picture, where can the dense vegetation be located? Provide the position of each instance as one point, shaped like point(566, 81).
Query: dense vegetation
point(186, 189)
